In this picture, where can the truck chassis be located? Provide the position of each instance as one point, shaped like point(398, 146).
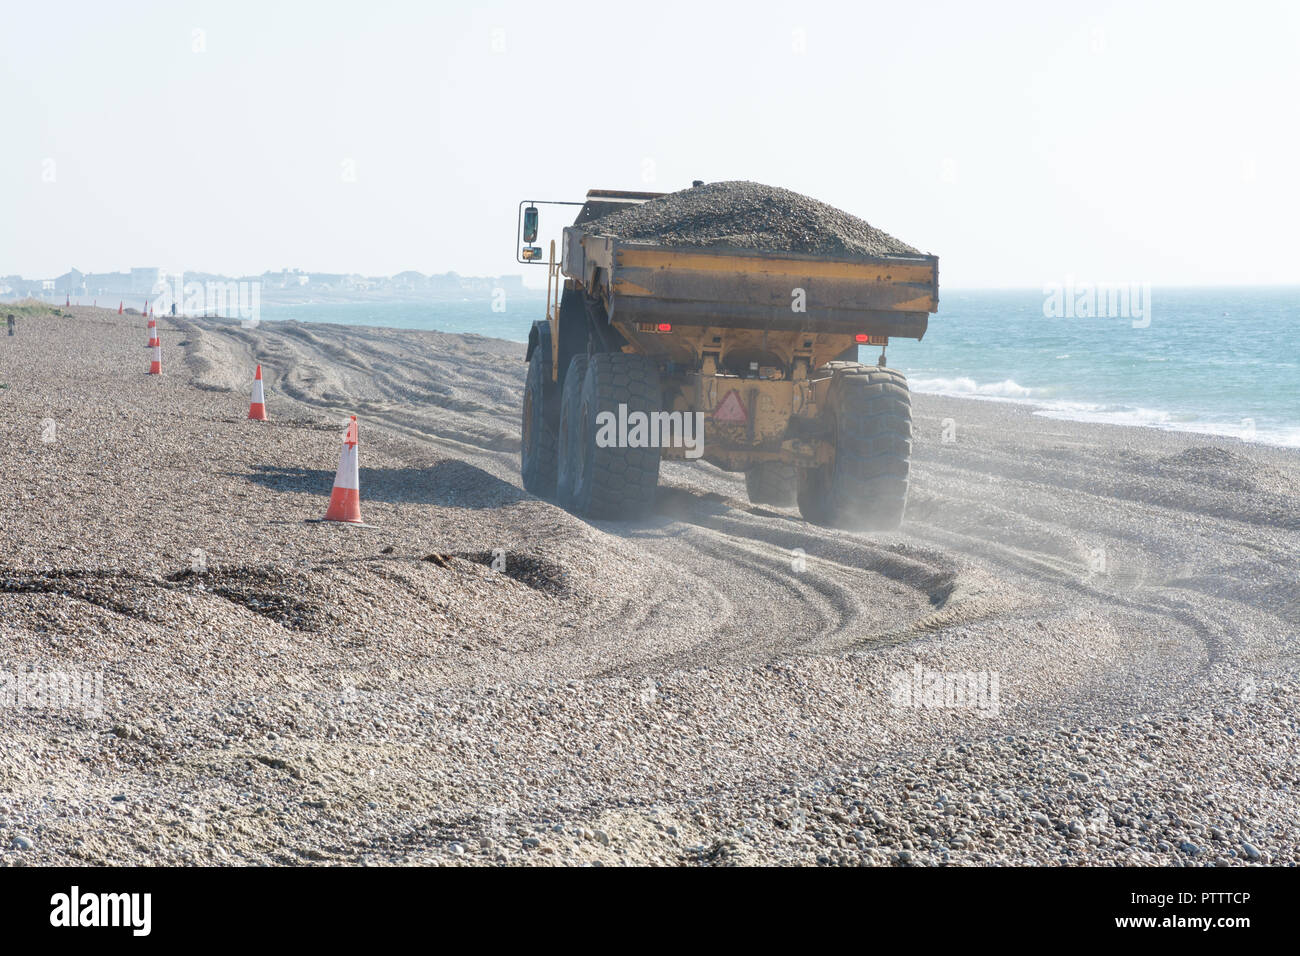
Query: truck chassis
point(755, 345)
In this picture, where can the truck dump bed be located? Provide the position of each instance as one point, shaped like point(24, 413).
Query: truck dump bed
point(642, 282)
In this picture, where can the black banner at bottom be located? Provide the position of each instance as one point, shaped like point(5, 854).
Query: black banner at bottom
point(335, 904)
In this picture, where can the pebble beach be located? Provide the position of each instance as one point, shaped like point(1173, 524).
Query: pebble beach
point(475, 677)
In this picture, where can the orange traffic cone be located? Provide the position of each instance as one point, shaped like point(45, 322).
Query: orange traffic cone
point(155, 367)
point(153, 334)
point(345, 499)
point(257, 407)
point(67, 301)
point(119, 307)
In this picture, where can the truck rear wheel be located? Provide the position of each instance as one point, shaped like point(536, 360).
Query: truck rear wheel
point(772, 483)
point(869, 419)
point(570, 430)
point(609, 478)
point(538, 432)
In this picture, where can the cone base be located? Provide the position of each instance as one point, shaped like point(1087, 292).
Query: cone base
point(257, 412)
point(345, 505)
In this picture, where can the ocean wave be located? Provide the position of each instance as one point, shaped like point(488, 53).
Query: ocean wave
point(968, 387)
point(1285, 436)
point(1134, 416)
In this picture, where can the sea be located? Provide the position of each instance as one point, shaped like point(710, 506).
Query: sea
point(1215, 361)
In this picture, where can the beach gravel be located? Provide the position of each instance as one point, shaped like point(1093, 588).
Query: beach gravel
point(745, 215)
point(1079, 649)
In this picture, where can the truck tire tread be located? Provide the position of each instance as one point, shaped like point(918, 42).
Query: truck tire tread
point(539, 438)
point(865, 488)
point(619, 482)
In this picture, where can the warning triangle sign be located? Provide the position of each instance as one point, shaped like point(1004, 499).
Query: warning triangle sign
point(731, 409)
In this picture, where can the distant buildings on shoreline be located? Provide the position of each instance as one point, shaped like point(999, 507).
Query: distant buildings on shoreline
point(284, 284)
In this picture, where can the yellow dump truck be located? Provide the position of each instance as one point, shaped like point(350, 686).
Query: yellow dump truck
point(740, 357)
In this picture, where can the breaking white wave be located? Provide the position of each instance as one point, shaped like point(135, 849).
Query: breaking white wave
point(1009, 390)
point(969, 388)
point(1285, 436)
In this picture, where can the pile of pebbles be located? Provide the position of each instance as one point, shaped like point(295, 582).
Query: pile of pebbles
point(745, 215)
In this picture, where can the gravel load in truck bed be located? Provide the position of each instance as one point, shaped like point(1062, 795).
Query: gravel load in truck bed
point(745, 215)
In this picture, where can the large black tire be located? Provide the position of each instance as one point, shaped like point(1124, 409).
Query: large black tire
point(541, 419)
point(570, 431)
point(772, 483)
point(613, 481)
point(868, 419)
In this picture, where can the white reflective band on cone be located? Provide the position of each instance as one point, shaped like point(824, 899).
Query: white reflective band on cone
point(348, 475)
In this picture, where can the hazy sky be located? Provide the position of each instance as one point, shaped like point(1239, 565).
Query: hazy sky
point(1106, 141)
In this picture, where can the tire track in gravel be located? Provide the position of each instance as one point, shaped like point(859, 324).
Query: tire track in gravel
point(760, 606)
point(1142, 600)
point(984, 534)
point(778, 609)
point(1151, 570)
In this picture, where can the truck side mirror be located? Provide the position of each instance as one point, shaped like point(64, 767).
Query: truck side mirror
point(530, 225)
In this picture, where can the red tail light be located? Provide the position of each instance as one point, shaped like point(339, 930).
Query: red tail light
point(862, 338)
point(665, 327)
